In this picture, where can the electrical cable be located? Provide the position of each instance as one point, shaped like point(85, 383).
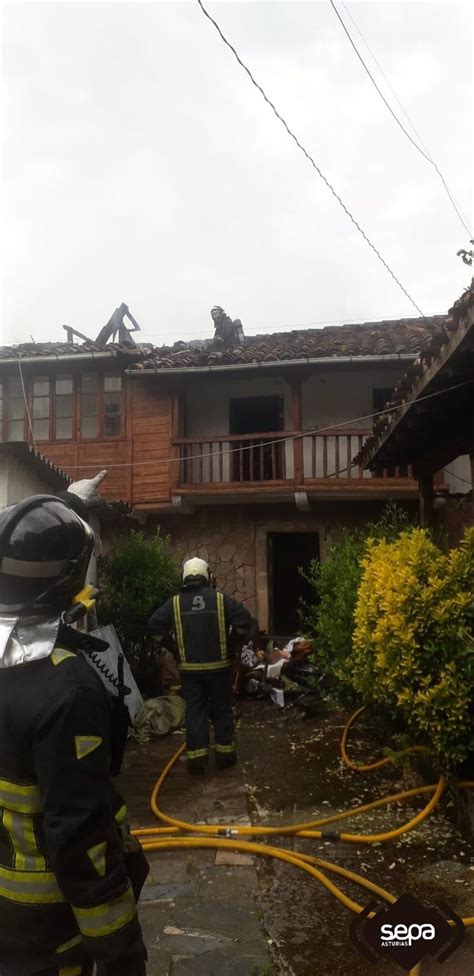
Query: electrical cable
point(310, 159)
point(280, 440)
point(392, 113)
point(30, 425)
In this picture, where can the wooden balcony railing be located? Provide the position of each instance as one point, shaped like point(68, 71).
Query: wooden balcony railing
point(269, 458)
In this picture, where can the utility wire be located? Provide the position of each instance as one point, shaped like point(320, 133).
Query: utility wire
point(393, 114)
point(30, 425)
point(279, 440)
point(280, 326)
point(310, 159)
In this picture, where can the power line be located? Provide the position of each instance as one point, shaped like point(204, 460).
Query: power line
point(394, 116)
point(278, 440)
point(309, 158)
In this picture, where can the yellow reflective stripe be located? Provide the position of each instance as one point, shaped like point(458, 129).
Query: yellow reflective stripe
point(221, 625)
point(178, 626)
point(21, 832)
point(71, 971)
point(58, 655)
point(211, 666)
point(29, 887)
point(196, 753)
point(20, 798)
point(69, 945)
point(107, 918)
point(121, 814)
point(96, 856)
point(85, 744)
point(219, 748)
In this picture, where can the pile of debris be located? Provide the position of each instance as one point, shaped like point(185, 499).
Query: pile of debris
point(275, 671)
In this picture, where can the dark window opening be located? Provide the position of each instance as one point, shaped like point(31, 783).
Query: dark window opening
point(288, 552)
point(253, 459)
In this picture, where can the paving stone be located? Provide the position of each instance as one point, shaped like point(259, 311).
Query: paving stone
point(193, 943)
point(226, 918)
point(233, 859)
point(240, 961)
point(168, 891)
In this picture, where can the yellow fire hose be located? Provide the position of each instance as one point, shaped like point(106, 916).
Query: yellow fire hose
point(206, 836)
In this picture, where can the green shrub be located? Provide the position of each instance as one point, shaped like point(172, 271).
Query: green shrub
point(137, 575)
point(413, 645)
point(329, 618)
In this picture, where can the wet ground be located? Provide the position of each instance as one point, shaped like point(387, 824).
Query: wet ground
point(268, 918)
point(296, 775)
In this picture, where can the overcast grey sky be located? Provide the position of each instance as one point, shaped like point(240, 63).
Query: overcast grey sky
point(140, 165)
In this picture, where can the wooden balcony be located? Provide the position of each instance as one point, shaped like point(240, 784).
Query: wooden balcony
point(289, 460)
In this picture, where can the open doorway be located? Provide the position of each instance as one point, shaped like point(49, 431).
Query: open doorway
point(253, 459)
point(287, 553)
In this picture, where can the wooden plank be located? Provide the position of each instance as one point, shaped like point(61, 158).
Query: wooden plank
point(261, 465)
point(360, 468)
point(313, 457)
point(336, 447)
point(221, 461)
point(274, 461)
point(348, 455)
point(325, 456)
point(241, 464)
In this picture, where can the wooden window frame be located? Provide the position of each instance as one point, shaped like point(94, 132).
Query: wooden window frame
point(100, 404)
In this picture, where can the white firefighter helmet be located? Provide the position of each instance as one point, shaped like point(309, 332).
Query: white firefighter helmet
point(195, 567)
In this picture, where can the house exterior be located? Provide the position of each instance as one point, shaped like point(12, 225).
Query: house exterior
point(24, 472)
point(240, 448)
point(438, 434)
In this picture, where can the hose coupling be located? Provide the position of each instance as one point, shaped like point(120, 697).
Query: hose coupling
point(227, 832)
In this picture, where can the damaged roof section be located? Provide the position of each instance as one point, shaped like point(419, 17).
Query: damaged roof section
point(400, 337)
point(417, 430)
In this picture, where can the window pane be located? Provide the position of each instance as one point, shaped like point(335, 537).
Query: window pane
point(16, 430)
point(40, 407)
point(16, 409)
point(112, 402)
point(89, 383)
point(112, 425)
point(41, 386)
point(89, 426)
point(63, 385)
point(64, 406)
point(89, 405)
point(41, 429)
point(112, 383)
point(63, 427)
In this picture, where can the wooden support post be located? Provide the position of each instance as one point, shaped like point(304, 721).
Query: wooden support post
point(175, 468)
point(471, 458)
point(297, 425)
point(426, 498)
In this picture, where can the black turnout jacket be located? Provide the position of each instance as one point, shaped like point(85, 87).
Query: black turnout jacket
point(201, 620)
point(63, 881)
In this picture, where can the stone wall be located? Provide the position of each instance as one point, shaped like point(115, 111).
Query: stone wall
point(226, 540)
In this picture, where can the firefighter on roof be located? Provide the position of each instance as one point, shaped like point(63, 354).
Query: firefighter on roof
point(201, 619)
point(66, 901)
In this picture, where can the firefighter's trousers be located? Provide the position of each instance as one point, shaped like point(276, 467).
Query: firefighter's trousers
point(208, 696)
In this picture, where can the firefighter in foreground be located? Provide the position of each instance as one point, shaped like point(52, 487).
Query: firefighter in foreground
point(204, 623)
point(66, 901)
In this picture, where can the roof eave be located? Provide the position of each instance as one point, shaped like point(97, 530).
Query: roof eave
point(306, 361)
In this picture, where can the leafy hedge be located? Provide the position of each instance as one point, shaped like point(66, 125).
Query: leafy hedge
point(329, 618)
point(413, 642)
point(137, 575)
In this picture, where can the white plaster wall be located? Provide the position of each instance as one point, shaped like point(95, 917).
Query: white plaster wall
point(458, 475)
point(16, 482)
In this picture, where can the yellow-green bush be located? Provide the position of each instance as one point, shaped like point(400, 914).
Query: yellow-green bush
point(413, 642)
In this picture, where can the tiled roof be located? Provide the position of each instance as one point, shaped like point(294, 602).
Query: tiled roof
point(37, 463)
point(389, 338)
point(58, 349)
point(407, 388)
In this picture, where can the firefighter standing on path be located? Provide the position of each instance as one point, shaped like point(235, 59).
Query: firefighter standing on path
point(66, 901)
point(201, 619)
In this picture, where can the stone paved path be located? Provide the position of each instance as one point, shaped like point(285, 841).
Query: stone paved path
point(199, 917)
